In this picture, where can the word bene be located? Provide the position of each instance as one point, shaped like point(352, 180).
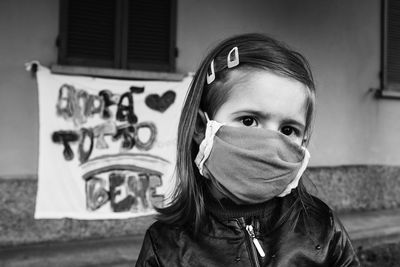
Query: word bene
point(127, 191)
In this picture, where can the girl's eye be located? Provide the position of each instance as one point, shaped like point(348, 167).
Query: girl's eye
point(249, 121)
point(288, 130)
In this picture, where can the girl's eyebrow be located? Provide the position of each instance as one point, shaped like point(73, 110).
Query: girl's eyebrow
point(295, 122)
point(267, 115)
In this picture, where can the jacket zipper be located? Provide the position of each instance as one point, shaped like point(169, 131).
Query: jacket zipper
point(256, 243)
point(253, 244)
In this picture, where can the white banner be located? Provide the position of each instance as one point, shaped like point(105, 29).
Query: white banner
point(107, 147)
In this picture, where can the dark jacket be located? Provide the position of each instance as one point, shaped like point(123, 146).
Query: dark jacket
point(311, 237)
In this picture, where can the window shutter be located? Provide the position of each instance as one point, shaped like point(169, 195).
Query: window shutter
point(88, 33)
point(393, 45)
point(151, 35)
point(127, 34)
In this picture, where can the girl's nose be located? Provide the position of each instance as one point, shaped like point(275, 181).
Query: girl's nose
point(272, 126)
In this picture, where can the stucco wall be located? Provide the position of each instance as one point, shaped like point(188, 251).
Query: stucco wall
point(344, 189)
point(340, 38)
point(28, 30)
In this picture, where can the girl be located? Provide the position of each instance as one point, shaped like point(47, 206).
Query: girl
point(239, 199)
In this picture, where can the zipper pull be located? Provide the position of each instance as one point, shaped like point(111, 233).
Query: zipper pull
point(257, 244)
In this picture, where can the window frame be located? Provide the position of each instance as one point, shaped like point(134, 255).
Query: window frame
point(387, 89)
point(120, 61)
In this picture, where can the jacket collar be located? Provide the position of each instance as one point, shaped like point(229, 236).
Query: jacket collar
point(227, 209)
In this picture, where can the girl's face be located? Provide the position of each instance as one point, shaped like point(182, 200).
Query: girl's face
point(265, 100)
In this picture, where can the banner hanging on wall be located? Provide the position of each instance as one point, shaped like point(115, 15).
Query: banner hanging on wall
point(106, 147)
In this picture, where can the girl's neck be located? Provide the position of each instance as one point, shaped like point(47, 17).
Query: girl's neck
point(225, 208)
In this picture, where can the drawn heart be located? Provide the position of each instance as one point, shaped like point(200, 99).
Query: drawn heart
point(160, 103)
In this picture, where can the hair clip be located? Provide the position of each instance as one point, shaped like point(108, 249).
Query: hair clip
point(233, 58)
point(211, 73)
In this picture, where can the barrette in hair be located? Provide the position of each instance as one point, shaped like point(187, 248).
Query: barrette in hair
point(211, 73)
point(233, 57)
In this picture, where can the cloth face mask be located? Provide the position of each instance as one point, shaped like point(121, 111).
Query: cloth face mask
point(250, 165)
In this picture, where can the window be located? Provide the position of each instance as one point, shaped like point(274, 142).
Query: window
point(391, 46)
point(121, 34)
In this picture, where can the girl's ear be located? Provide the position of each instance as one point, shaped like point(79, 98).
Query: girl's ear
point(200, 128)
point(305, 141)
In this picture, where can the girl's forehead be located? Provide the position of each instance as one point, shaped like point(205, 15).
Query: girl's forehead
point(265, 91)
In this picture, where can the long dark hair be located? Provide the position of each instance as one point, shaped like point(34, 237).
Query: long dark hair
point(256, 52)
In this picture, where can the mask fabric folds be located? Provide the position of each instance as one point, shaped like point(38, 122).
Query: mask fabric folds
point(250, 165)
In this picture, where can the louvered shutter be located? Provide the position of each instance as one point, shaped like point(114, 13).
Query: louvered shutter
point(392, 45)
point(128, 34)
point(88, 33)
point(151, 43)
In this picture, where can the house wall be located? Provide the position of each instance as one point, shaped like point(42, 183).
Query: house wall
point(340, 38)
point(28, 31)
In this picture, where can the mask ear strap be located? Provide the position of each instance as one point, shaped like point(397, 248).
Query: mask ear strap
point(206, 115)
point(293, 184)
point(207, 143)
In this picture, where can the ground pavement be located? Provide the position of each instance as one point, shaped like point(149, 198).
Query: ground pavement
point(375, 235)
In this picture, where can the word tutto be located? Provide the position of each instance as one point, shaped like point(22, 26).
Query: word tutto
point(86, 137)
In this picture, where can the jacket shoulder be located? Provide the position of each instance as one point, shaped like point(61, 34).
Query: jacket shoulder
point(319, 210)
point(158, 240)
point(160, 227)
point(341, 251)
point(164, 234)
